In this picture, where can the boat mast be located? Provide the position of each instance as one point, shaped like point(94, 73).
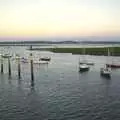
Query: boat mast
point(108, 55)
point(112, 54)
point(83, 54)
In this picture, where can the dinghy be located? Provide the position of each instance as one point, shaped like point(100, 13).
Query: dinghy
point(45, 59)
point(84, 68)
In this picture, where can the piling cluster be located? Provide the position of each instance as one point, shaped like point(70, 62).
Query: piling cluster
point(17, 58)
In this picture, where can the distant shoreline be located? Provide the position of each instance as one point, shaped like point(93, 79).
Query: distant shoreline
point(38, 43)
point(114, 51)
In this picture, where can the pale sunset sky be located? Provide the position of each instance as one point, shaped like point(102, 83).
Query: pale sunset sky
point(36, 18)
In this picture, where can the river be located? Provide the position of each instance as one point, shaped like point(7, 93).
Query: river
point(60, 91)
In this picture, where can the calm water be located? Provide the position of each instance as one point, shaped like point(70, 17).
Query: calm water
point(60, 91)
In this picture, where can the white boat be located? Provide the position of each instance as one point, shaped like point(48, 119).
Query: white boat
point(40, 62)
point(24, 60)
point(6, 55)
point(45, 58)
point(83, 67)
point(105, 72)
point(84, 61)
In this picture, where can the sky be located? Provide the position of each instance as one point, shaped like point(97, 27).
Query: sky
point(52, 18)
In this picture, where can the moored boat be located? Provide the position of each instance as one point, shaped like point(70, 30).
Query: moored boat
point(88, 63)
point(24, 60)
point(106, 72)
point(45, 59)
point(84, 63)
point(84, 68)
point(113, 65)
point(6, 55)
point(40, 62)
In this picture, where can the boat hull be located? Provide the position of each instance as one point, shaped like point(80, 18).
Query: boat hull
point(24, 60)
point(112, 66)
point(105, 73)
point(40, 62)
point(45, 59)
point(86, 63)
point(84, 69)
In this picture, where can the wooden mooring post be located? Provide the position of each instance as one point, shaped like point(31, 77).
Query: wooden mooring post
point(32, 70)
point(19, 66)
point(2, 65)
point(9, 67)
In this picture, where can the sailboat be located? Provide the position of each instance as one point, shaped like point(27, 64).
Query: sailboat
point(84, 61)
point(83, 66)
point(113, 64)
point(105, 71)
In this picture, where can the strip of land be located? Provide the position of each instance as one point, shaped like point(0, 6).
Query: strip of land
point(114, 51)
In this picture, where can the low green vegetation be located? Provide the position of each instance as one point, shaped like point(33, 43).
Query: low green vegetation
point(89, 51)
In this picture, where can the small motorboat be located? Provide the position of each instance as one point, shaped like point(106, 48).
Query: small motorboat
point(45, 59)
point(105, 72)
point(24, 60)
point(6, 55)
point(84, 68)
point(40, 62)
point(16, 57)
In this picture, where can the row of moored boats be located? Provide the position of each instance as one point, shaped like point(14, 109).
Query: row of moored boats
point(105, 71)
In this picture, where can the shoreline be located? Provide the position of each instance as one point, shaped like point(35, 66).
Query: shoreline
point(114, 51)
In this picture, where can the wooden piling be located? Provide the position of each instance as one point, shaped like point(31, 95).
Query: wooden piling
point(9, 67)
point(19, 66)
point(32, 70)
point(2, 65)
point(19, 70)
point(30, 47)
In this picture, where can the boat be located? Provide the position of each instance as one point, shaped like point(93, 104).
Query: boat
point(84, 61)
point(113, 64)
point(40, 62)
point(84, 65)
point(45, 59)
point(105, 72)
point(24, 60)
point(88, 63)
point(84, 68)
point(6, 56)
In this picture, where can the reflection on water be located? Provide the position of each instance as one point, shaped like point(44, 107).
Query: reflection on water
point(59, 91)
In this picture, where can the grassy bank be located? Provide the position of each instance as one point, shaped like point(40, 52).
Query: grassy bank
point(89, 51)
